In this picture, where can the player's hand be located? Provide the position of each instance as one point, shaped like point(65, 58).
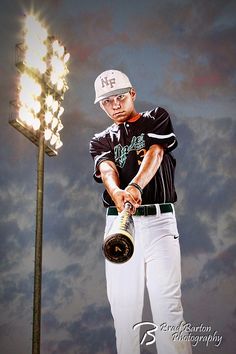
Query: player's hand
point(136, 195)
point(120, 197)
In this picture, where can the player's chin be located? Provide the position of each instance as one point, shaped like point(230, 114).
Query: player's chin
point(121, 118)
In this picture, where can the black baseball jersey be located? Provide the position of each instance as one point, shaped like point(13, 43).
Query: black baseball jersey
point(126, 144)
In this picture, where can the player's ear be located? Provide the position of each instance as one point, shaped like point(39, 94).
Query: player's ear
point(133, 94)
point(104, 109)
point(101, 105)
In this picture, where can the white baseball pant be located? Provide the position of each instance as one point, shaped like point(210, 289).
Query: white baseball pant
point(156, 261)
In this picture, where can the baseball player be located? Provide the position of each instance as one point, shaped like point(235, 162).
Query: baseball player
point(132, 158)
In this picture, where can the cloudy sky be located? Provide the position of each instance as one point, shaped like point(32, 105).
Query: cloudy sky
point(179, 54)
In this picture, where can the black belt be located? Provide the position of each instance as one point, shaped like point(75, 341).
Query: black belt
point(145, 210)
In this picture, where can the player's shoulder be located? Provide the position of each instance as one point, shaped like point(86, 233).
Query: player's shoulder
point(104, 134)
point(156, 113)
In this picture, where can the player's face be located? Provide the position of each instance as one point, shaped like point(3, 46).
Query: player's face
point(120, 108)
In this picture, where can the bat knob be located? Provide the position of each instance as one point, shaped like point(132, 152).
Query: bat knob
point(118, 244)
point(118, 248)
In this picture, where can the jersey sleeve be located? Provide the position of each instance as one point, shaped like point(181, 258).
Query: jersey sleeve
point(160, 129)
point(100, 151)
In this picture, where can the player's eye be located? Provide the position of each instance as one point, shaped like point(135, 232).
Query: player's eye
point(120, 97)
point(105, 102)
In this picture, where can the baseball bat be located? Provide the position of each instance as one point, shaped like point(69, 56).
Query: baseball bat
point(118, 244)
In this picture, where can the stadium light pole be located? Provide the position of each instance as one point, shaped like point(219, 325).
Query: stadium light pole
point(36, 331)
point(36, 113)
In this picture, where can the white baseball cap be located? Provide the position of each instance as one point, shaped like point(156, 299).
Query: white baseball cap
point(110, 83)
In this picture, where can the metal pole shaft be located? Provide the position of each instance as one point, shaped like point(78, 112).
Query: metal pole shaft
point(38, 249)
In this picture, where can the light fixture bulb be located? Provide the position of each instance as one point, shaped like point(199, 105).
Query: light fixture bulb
point(60, 84)
point(53, 139)
point(48, 117)
point(61, 111)
point(55, 106)
point(23, 112)
point(55, 122)
point(47, 134)
point(58, 144)
point(36, 124)
point(49, 101)
point(53, 77)
point(60, 126)
point(66, 58)
point(36, 106)
point(61, 51)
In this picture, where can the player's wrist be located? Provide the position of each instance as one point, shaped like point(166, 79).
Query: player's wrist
point(115, 191)
point(137, 186)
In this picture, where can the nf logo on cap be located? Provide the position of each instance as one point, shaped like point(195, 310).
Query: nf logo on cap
point(106, 82)
point(109, 83)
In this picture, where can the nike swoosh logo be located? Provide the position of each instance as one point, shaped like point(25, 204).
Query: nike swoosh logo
point(175, 237)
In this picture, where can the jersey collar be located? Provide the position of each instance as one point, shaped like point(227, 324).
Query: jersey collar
point(135, 118)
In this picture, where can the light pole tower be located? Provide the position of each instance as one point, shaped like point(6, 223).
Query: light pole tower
point(36, 113)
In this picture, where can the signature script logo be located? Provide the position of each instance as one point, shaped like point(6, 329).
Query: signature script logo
point(150, 333)
point(181, 332)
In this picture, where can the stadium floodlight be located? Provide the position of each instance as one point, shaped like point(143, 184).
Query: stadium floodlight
point(42, 61)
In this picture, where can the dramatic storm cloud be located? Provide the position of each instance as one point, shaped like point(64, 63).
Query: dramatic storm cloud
point(179, 55)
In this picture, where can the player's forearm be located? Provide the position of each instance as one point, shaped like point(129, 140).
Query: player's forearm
point(110, 176)
point(111, 181)
point(149, 165)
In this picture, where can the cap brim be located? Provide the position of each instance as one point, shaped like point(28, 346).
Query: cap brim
point(112, 93)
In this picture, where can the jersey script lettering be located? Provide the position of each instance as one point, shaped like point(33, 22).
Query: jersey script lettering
point(121, 152)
